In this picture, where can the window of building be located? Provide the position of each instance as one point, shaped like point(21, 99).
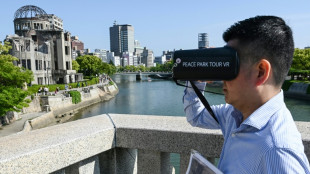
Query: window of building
point(24, 63)
point(34, 37)
point(67, 65)
point(67, 50)
point(40, 80)
point(29, 64)
point(37, 65)
point(27, 45)
point(56, 65)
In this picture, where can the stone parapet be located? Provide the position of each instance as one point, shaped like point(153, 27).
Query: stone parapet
point(113, 143)
point(51, 149)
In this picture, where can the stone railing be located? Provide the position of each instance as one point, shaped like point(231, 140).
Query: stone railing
point(112, 143)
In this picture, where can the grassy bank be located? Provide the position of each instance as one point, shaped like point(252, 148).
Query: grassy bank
point(34, 88)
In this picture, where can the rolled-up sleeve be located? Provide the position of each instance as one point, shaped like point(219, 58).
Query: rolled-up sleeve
point(195, 111)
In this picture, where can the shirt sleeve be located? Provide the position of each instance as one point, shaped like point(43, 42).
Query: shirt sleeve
point(280, 161)
point(196, 113)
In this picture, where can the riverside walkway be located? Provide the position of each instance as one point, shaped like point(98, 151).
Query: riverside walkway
point(18, 125)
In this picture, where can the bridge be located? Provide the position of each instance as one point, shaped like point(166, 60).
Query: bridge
point(146, 73)
point(113, 143)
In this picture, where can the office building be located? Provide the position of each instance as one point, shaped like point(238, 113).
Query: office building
point(102, 54)
point(147, 57)
point(121, 39)
point(160, 59)
point(203, 41)
point(168, 54)
point(115, 59)
point(77, 47)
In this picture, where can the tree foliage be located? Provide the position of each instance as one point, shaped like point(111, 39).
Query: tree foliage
point(167, 67)
point(301, 59)
point(89, 65)
point(92, 65)
point(12, 79)
point(109, 69)
point(301, 64)
point(75, 65)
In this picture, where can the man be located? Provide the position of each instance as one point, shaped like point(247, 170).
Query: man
point(259, 132)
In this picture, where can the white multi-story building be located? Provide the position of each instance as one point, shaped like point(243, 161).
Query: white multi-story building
point(124, 61)
point(138, 52)
point(114, 59)
point(135, 60)
point(129, 57)
point(147, 57)
point(102, 54)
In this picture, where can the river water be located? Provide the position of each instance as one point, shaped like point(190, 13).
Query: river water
point(164, 97)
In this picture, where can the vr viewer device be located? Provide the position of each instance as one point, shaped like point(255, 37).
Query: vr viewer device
point(206, 64)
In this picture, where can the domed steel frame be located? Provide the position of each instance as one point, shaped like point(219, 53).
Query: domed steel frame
point(28, 11)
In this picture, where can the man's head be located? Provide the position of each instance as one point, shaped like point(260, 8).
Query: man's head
point(264, 37)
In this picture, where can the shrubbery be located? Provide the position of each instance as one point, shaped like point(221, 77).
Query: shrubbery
point(34, 88)
point(76, 96)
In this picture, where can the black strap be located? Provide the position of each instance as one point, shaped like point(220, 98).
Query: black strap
point(203, 100)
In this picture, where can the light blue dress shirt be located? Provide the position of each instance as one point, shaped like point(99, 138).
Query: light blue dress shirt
point(266, 142)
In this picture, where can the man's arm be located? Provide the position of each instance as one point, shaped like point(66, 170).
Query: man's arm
point(283, 161)
point(195, 111)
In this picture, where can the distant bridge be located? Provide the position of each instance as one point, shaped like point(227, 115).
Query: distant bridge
point(146, 73)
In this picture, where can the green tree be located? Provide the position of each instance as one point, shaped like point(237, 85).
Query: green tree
point(119, 69)
point(111, 63)
point(89, 65)
point(75, 65)
point(301, 59)
point(12, 79)
point(108, 68)
point(141, 68)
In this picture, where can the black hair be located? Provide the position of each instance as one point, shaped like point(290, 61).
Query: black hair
point(266, 37)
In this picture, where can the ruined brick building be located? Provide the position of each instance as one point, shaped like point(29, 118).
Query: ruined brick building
point(42, 46)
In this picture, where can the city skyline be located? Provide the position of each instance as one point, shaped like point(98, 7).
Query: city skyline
point(161, 25)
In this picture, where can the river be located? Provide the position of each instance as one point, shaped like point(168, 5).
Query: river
point(164, 97)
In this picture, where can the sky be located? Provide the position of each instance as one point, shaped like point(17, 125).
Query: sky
point(161, 24)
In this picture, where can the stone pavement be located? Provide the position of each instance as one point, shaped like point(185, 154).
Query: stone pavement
point(18, 125)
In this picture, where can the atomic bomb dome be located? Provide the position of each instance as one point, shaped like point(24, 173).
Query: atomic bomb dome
point(42, 46)
point(29, 11)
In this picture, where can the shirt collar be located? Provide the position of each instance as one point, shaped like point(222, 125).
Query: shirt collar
point(261, 116)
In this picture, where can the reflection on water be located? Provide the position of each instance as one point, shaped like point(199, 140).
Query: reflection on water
point(162, 97)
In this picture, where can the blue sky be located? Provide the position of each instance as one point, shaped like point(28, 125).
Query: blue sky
point(162, 24)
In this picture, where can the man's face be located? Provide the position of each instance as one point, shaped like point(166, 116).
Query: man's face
point(238, 90)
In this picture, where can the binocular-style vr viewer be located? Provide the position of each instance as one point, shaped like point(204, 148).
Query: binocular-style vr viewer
point(206, 64)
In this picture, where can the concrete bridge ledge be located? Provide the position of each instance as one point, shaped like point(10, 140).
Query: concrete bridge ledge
point(113, 143)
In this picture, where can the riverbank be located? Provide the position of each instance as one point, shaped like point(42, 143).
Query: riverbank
point(58, 108)
point(295, 91)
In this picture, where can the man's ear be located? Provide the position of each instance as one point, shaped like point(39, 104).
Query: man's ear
point(263, 71)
